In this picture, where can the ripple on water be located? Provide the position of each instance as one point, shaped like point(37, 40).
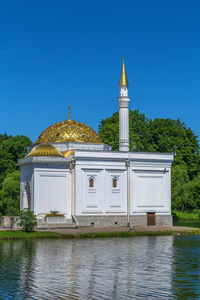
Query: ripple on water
point(119, 268)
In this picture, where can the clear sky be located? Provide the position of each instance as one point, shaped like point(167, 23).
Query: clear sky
point(56, 53)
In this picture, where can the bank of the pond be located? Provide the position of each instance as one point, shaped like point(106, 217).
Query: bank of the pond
point(106, 232)
point(186, 219)
point(189, 216)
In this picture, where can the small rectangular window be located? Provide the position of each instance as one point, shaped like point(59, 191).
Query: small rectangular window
point(91, 182)
point(115, 183)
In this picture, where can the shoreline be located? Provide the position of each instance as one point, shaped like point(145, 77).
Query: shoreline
point(98, 232)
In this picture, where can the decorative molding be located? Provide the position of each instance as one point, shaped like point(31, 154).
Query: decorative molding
point(43, 159)
point(123, 104)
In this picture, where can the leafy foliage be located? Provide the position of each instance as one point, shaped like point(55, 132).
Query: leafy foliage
point(179, 180)
point(173, 136)
point(193, 194)
point(10, 194)
point(109, 131)
point(11, 149)
point(27, 220)
point(4, 137)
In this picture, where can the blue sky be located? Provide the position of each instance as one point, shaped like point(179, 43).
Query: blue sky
point(56, 53)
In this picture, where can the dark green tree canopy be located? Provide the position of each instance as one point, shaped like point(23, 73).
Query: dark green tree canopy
point(4, 137)
point(173, 136)
point(10, 194)
point(11, 149)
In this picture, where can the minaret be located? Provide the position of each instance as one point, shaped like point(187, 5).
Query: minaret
point(123, 101)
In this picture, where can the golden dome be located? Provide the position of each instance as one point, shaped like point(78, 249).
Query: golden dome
point(45, 150)
point(69, 131)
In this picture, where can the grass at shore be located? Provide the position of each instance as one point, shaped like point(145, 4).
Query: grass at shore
point(18, 234)
point(188, 219)
point(190, 216)
point(122, 234)
point(15, 235)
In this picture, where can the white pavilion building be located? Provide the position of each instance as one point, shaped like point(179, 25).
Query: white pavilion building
point(70, 170)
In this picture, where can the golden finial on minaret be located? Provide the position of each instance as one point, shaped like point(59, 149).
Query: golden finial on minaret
point(123, 78)
point(69, 115)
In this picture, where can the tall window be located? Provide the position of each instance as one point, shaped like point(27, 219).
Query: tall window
point(114, 183)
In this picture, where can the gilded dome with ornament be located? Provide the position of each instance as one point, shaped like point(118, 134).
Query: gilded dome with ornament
point(69, 131)
point(45, 150)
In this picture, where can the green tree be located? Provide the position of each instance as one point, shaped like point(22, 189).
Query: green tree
point(11, 149)
point(139, 133)
point(10, 194)
point(179, 179)
point(109, 131)
point(193, 194)
point(4, 137)
point(173, 136)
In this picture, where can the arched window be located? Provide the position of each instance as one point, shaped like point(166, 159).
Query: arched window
point(114, 183)
point(91, 183)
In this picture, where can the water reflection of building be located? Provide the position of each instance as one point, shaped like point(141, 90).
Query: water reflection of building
point(133, 268)
point(101, 269)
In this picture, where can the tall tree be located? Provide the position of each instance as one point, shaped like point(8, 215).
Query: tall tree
point(193, 193)
point(4, 137)
point(179, 180)
point(11, 149)
point(10, 194)
point(173, 136)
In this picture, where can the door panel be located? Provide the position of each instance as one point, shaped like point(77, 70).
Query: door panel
point(151, 219)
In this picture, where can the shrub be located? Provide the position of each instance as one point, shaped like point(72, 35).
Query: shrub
point(27, 220)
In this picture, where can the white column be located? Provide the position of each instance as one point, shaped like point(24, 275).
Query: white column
point(123, 102)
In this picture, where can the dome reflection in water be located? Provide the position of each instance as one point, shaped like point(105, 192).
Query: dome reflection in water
point(120, 268)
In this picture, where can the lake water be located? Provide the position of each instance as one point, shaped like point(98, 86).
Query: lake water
point(162, 267)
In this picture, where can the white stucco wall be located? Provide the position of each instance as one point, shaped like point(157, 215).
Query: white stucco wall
point(150, 183)
point(52, 190)
point(103, 199)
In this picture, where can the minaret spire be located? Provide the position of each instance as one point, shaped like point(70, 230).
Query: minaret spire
point(69, 114)
point(123, 102)
point(123, 78)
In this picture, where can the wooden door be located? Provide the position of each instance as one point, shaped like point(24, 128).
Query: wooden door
point(151, 220)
